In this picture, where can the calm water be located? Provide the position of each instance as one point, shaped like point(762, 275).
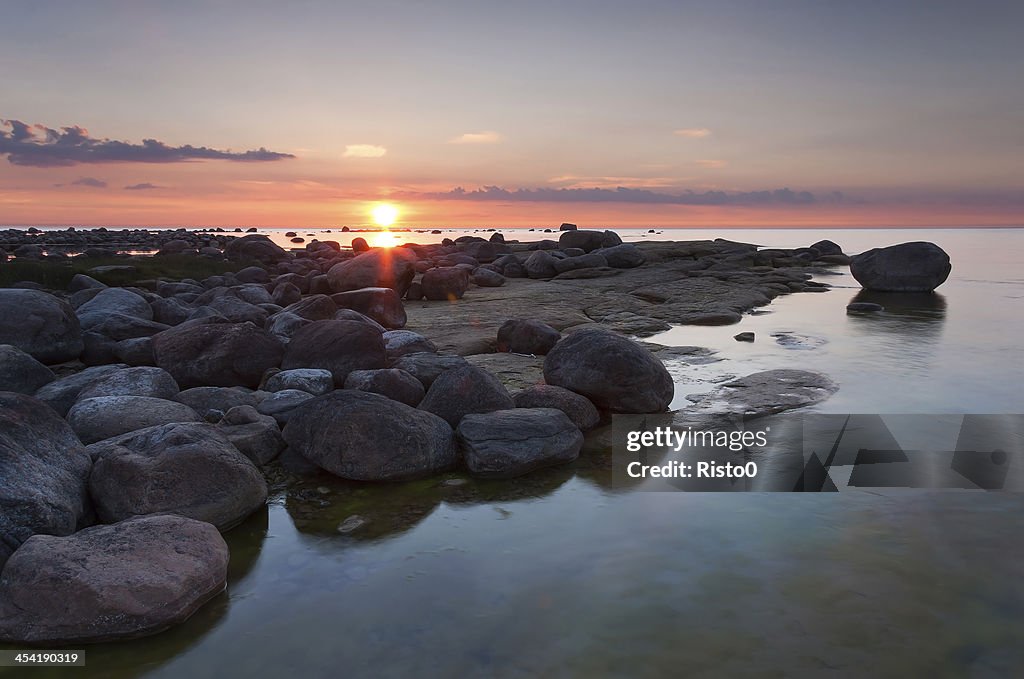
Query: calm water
point(560, 574)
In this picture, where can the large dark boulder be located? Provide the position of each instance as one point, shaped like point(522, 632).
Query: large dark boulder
point(511, 443)
point(337, 346)
point(576, 406)
point(40, 324)
point(527, 337)
point(539, 265)
point(43, 473)
point(398, 343)
point(623, 256)
point(381, 304)
point(427, 366)
point(383, 268)
point(615, 373)
point(131, 579)
point(138, 381)
point(445, 283)
point(218, 354)
point(61, 394)
point(110, 301)
point(391, 382)
point(256, 436)
point(588, 241)
point(908, 267)
point(189, 469)
point(20, 372)
point(456, 393)
point(368, 437)
point(257, 247)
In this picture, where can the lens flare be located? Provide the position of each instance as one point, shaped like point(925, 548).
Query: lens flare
point(384, 214)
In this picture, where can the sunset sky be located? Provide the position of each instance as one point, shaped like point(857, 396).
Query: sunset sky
point(512, 114)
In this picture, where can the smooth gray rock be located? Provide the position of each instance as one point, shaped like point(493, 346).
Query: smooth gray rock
point(368, 437)
point(540, 265)
point(113, 300)
point(426, 366)
point(381, 304)
point(337, 346)
point(509, 443)
point(21, 373)
point(185, 468)
point(908, 267)
point(624, 256)
point(615, 373)
point(581, 411)
point(445, 283)
point(102, 417)
point(140, 381)
point(254, 435)
point(43, 472)
point(40, 324)
point(310, 380)
point(280, 405)
point(527, 336)
point(204, 399)
point(398, 343)
point(219, 354)
point(486, 278)
point(128, 580)
point(61, 394)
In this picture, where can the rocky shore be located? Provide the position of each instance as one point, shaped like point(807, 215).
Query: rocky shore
point(140, 419)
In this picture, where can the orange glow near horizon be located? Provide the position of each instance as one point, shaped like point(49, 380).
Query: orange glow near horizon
point(384, 214)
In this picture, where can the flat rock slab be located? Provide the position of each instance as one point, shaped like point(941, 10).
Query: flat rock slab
point(127, 580)
point(765, 393)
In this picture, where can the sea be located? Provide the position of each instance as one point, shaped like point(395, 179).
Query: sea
point(566, 573)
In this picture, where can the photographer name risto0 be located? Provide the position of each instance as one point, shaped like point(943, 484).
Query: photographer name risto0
point(663, 455)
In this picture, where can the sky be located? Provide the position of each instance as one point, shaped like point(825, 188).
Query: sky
point(641, 113)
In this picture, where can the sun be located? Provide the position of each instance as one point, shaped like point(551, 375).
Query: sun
point(384, 214)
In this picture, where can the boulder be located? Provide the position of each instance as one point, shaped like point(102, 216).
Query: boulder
point(43, 473)
point(385, 268)
point(827, 247)
point(381, 304)
point(99, 418)
point(313, 308)
point(117, 326)
point(624, 256)
point(256, 247)
point(487, 278)
point(128, 580)
point(527, 337)
point(310, 380)
point(576, 407)
point(587, 241)
point(337, 346)
point(445, 283)
point(908, 267)
point(184, 468)
point(593, 260)
point(539, 265)
point(398, 343)
point(140, 381)
point(21, 373)
point(509, 443)
point(426, 367)
point(61, 394)
point(280, 404)
point(135, 351)
point(113, 300)
point(219, 354)
point(252, 274)
point(254, 435)
point(82, 282)
point(352, 315)
point(396, 384)
point(286, 293)
point(40, 324)
point(615, 373)
point(368, 437)
point(460, 391)
point(205, 399)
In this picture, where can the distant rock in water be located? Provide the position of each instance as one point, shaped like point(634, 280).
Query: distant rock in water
point(908, 267)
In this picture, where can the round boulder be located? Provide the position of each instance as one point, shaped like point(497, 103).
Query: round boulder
point(908, 267)
point(337, 346)
point(578, 409)
point(40, 324)
point(99, 418)
point(383, 268)
point(187, 469)
point(461, 391)
point(615, 373)
point(445, 283)
point(391, 382)
point(527, 337)
point(128, 580)
point(140, 381)
point(21, 373)
point(310, 380)
point(510, 443)
point(381, 304)
point(368, 437)
point(217, 354)
point(398, 343)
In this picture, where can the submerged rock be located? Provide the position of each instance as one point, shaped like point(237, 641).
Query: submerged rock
point(509, 443)
point(368, 437)
point(615, 373)
point(131, 579)
point(765, 393)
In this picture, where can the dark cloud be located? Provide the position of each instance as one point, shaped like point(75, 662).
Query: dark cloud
point(90, 181)
point(631, 195)
point(144, 186)
point(39, 146)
